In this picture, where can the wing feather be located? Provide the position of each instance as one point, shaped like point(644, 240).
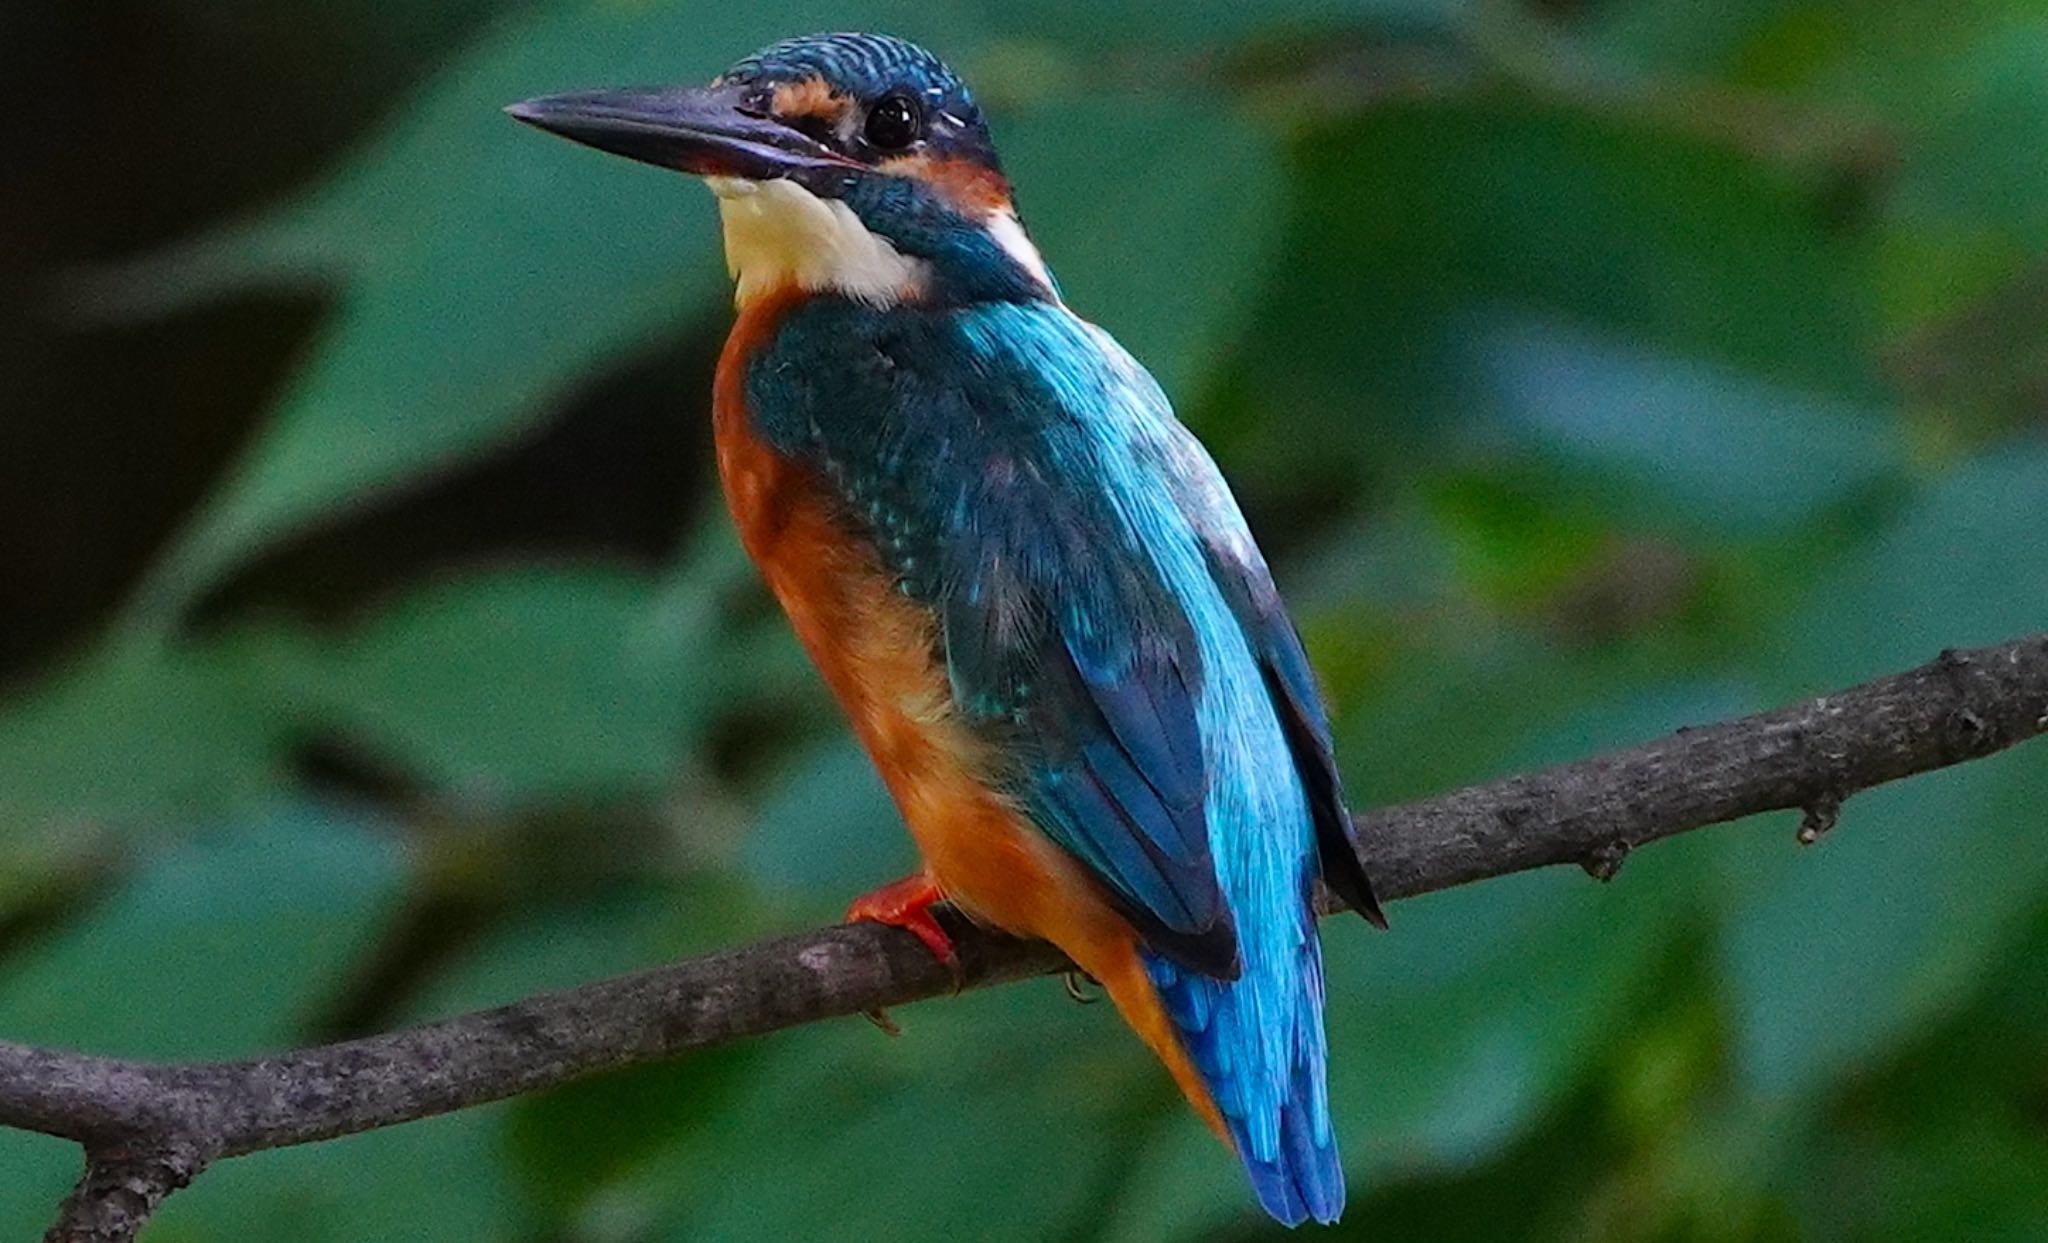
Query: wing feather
point(974, 457)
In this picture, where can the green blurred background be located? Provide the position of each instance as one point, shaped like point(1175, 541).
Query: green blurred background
point(375, 645)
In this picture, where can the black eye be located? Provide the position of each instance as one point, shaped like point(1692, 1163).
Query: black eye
point(894, 122)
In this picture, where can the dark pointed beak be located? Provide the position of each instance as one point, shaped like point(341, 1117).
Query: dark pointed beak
point(707, 131)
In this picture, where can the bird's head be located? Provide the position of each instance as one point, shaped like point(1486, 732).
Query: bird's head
point(850, 163)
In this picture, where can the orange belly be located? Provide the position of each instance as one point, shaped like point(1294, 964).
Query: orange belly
point(875, 649)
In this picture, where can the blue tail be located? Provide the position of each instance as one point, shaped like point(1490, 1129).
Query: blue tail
point(1264, 1064)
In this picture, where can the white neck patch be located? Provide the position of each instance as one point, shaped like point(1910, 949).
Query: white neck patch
point(779, 234)
point(1009, 234)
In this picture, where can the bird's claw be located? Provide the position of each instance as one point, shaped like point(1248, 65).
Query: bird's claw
point(907, 904)
point(1076, 983)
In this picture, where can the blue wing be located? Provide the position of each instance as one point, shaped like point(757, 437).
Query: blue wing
point(1248, 588)
point(982, 477)
point(1081, 665)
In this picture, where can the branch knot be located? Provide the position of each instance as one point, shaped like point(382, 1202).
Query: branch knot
point(120, 1189)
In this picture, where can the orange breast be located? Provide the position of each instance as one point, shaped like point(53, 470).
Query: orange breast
point(876, 650)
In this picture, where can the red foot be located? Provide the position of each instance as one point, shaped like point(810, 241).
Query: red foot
point(907, 904)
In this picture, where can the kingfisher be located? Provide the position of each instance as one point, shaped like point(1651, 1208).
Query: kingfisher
point(1025, 582)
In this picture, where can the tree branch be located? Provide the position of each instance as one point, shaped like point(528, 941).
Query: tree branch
point(119, 1190)
point(148, 1128)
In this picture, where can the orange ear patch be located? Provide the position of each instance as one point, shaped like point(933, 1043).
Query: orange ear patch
point(812, 98)
point(968, 186)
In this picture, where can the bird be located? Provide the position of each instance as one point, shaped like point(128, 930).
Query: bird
point(1023, 579)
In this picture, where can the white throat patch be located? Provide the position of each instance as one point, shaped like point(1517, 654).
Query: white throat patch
point(778, 234)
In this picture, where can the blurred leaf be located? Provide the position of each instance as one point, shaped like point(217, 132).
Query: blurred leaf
point(485, 269)
point(137, 731)
point(1459, 707)
point(225, 947)
point(1199, 25)
point(1963, 567)
point(220, 947)
point(1926, 275)
point(568, 1145)
point(545, 947)
point(999, 1114)
point(1727, 453)
point(1995, 87)
point(565, 1145)
point(828, 828)
point(1990, 1176)
point(1878, 52)
point(35, 1173)
point(1165, 244)
point(352, 30)
point(511, 686)
point(1514, 539)
point(439, 1179)
point(1690, 36)
point(1943, 78)
point(1968, 1066)
point(1490, 1005)
point(1834, 953)
point(1419, 226)
point(523, 683)
point(42, 862)
point(1487, 696)
point(1980, 371)
point(1952, 1130)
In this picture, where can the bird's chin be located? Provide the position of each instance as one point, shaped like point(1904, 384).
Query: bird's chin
point(732, 187)
point(779, 235)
